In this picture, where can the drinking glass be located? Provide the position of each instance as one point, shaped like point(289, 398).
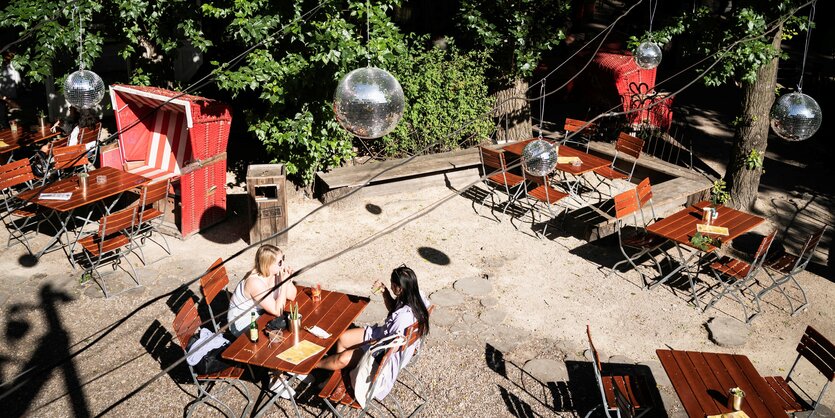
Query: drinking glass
point(101, 179)
point(276, 336)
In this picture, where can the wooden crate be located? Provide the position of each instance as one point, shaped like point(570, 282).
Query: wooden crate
point(265, 185)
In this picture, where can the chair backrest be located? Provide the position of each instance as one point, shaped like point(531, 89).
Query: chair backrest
point(625, 407)
point(762, 251)
point(70, 156)
point(626, 203)
point(808, 250)
point(186, 323)
point(15, 173)
point(154, 192)
point(644, 191)
point(492, 159)
point(87, 135)
point(116, 222)
point(629, 145)
point(819, 351)
point(576, 125)
point(214, 281)
point(598, 369)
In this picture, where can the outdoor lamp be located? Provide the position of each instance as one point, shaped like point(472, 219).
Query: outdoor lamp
point(368, 102)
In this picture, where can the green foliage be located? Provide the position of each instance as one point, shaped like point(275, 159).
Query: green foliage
point(754, 160)
point(703, 242)
point(514, 32)
point(705, 32)
point(444, 90)
point(718, 193)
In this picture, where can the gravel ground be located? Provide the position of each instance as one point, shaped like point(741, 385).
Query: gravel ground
point(549, 289)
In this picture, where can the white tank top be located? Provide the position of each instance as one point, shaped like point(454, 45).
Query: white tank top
point(241, 303)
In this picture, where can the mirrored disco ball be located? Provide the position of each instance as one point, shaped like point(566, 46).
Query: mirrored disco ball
point(368, 102)
point(83, 89)
point(539, 157)
point(648, 55)
point(795, 116)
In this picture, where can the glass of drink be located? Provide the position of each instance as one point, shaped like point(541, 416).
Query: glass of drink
point(316, 293)
point(276, 336)
point(376, 288)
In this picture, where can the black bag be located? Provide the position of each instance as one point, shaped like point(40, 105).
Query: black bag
point(41, 164)
point(211, 362)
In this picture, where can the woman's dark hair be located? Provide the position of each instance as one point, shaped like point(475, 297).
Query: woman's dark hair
point(409, 295)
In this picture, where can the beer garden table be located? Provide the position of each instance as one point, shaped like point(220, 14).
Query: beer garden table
point(681, 226)
point(334, 313)
point(703, 382)
point(11, 141)
point(117, 182)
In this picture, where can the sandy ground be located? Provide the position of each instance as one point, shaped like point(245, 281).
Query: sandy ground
point(550, 290)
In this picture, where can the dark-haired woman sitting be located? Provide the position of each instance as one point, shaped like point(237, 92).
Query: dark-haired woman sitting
point(406, 306)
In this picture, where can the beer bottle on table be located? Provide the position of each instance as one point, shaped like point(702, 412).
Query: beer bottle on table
point(253, 329)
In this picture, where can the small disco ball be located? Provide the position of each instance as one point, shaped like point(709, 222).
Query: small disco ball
point(648, 55)
point(368, 102)
point(83, 89)
point(539, 157)
point(795, 116)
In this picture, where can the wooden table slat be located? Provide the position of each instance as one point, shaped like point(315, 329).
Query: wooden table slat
point(118, 181)
point(694, 381)
point(685, 394)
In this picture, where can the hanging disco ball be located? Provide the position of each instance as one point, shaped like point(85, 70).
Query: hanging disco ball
point(648, 55)
point(368, 102)
point(83, 89)
point(795, 116)
point(539, 157)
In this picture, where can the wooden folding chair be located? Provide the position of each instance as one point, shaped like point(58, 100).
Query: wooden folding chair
point(70, 159)
point(19, 217)
point(543, 193)
point(582, 132)
point(818, 351)
point(212, 284)
point(626, 145)
point(736, 276)
point(493, 163)
point(186, 324)
point(625, 395)
point(150, 217)
point(628, 204)
point(785, 266)
point(109, 246)
point(338, 393)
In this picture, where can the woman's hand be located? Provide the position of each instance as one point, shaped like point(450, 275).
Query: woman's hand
point(378, 287)
point(54, 126)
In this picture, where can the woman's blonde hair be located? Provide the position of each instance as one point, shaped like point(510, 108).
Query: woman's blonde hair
point(265, 257)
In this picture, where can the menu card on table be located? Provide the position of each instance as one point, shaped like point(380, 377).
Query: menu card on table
point(568, 160)
point(300, 352)
point(712, 229)
point(735, 414)
point(55, 196)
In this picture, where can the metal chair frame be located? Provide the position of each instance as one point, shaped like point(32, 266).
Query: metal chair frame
point(543, 193)
point(493, 161)
point(150, 218)
point(582, 136)
point(632, 202)
point(186, 323)
point(628, 145)
point(736, 275)
point(787, 266)
point(14, 177)
point(109, 246)
point(622, 402)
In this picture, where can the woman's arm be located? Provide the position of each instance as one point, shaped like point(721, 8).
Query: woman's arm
point(288, 287)
point(388, 299)
point(259, 291)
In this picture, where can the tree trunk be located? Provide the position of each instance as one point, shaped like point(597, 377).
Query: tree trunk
point(513, 113)
point(752, 134)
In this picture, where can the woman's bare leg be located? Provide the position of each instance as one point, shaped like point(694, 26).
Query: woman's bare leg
point(348, 358)
point(350, 339)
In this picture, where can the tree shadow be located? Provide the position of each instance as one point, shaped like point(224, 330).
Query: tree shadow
point(434, 256)
point(54, 344)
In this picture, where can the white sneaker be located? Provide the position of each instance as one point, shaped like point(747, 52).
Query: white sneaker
point(283, 391)
point(306, 379)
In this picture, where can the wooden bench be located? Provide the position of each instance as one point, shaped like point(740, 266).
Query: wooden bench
point(423, 168)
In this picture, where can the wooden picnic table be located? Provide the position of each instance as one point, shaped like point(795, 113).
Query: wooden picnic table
point(589, 162)
point(334, 313)
point(703, 381)
point(681, 226)
point(11, 141)
point(116, 183)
